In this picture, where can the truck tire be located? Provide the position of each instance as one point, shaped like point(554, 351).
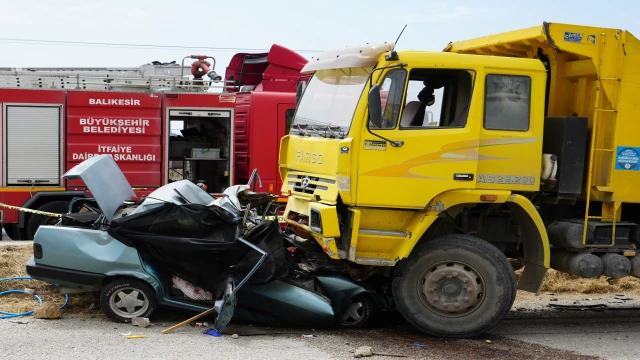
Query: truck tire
point(13, 232)
point(35, 220)
point(456, 286)
point(125, 298)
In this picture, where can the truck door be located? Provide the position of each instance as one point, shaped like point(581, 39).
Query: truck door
point(428, 111)
point(512, 141)
point(285, 118)
point(127, 126)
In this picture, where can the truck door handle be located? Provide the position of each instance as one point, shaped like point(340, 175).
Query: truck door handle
point(41, 181)
point(25, 181)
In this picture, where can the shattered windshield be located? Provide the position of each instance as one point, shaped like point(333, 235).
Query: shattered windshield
point(327, 106)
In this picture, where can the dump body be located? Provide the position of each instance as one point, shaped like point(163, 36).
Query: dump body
point(579, 60)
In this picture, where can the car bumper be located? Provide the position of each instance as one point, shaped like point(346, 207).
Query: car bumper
point(64, 277)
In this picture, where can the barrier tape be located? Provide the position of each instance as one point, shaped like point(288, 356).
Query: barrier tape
point(44, 213)
point(31, 211)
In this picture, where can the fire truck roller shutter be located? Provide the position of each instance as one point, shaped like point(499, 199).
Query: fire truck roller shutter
point(33, 145)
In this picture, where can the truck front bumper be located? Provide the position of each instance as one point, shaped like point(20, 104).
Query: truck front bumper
point(314, 220)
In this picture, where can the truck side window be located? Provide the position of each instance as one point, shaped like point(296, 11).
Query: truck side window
point(507, 102)
point(391, 93)
point(437, 99)
point(289, 119)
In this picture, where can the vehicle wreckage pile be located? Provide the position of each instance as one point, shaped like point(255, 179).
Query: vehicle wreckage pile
point(180, 247)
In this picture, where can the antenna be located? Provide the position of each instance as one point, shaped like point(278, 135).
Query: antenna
point(405, 26)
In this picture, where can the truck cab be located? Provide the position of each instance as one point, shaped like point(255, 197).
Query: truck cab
point(434, 168)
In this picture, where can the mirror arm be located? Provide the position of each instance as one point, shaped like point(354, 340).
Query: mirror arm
point(393, 143)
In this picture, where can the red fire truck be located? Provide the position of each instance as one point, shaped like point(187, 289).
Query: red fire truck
point(54, 118)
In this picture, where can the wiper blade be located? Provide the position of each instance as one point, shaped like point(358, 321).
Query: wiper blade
point(339, 135)
point(300, 129)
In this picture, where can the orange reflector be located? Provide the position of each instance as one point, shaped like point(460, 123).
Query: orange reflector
point(271, 188)
point(488, 197)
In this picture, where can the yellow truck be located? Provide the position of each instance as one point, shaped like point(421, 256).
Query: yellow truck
point(445, 171)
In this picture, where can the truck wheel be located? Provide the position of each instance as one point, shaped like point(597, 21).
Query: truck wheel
point(125, 298)
point(13, 232)
point(454, 286)
point(35, 220)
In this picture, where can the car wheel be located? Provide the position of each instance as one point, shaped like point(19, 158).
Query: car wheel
point(454, 286)
point(126, 298)
point(358, 313)
point(35, 220)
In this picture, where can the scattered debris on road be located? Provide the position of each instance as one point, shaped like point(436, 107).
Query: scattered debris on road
point(422, 346)
point(363, 351)
point(595, 307)
point(140, 322)
point(366, 351)
point(48, 310)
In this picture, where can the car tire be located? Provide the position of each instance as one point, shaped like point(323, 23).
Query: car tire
point(125, 298)
point(35, 220)
point(456, 286)
point(358, 313)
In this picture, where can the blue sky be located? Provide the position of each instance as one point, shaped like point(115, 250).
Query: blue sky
point(303, 25)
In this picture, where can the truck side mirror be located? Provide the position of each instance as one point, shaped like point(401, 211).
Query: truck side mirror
point(301, 86)
point(375, 106)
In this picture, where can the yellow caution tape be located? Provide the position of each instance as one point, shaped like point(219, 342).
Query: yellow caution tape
point(44, 213)
point(31, 211)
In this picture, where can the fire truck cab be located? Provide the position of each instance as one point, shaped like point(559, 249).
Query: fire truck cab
point(161, 122)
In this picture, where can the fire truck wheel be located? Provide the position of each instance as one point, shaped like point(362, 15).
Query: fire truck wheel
point(454, 286)
point(35, 221)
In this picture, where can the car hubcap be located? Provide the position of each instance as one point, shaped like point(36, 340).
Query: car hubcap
point(451, 289)
point(129, 302)
point(353, 314)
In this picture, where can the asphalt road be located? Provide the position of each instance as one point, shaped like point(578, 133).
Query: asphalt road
point(547, 327)
point(606, 335)
point(533, 330)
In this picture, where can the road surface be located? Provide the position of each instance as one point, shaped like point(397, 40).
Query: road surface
point(533, 330)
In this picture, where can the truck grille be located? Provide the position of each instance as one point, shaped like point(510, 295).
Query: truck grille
point(307, 184)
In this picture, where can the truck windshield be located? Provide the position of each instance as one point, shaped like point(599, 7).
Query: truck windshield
point(327, 106)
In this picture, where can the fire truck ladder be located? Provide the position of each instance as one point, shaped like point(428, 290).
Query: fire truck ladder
point(610, 207)
point(148, 77)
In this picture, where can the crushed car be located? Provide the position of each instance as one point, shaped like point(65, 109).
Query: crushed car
point(180, 247)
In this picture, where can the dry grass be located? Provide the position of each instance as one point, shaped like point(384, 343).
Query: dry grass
point(12, 264)
point(14, 258)
point(558, 282)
